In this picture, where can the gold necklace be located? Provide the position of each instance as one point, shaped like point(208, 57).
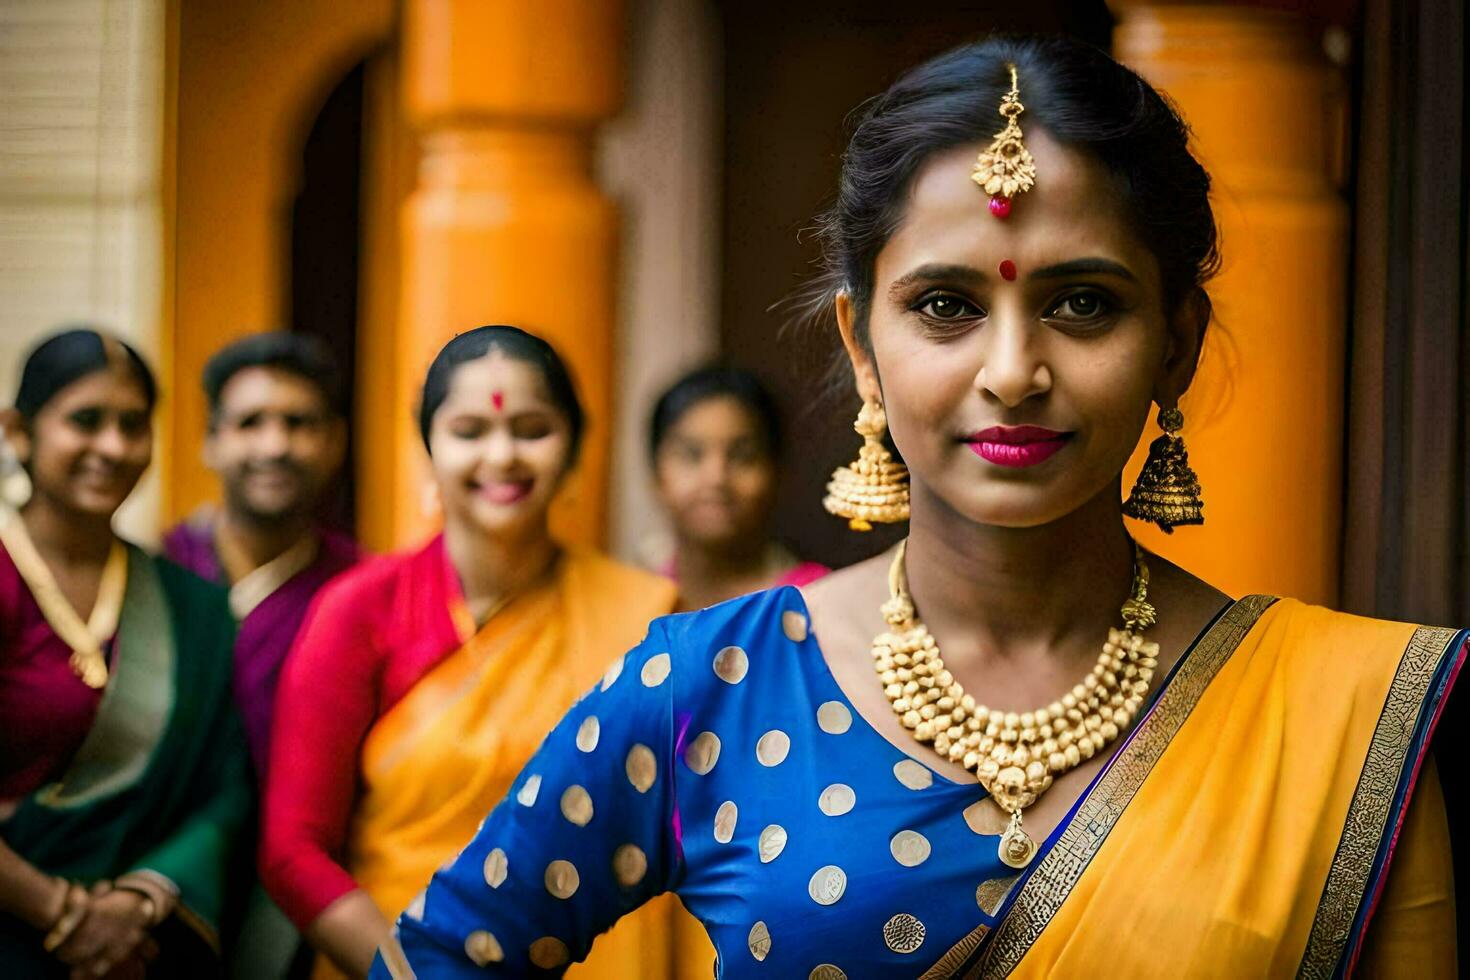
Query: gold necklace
point(1015, 756)
point(86, 638)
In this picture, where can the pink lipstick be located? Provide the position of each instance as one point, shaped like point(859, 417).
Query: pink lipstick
point(1017, 445)
point(506, 493)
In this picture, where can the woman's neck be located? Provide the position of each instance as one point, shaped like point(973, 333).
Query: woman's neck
point(1011, 592)
point(493, 568)
point(703, 562)
point(707, 574)
point(64, 537)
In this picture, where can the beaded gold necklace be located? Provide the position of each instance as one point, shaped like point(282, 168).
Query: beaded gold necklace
point(1016, 757)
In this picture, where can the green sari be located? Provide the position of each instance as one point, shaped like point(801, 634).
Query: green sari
point(161, 782)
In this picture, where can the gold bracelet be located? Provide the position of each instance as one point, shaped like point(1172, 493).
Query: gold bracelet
point(147, 904)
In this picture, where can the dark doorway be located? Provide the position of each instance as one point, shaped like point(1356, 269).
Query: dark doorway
point(793, 73)
point(325, 237)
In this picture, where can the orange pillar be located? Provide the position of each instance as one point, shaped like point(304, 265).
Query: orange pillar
point(504, 224)
point(1264, 422)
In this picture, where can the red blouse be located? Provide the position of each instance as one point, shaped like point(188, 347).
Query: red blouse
point(47, 709)
point(370, 635)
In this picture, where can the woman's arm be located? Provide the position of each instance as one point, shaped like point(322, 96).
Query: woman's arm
point(325, 704)
point(197, 856)
point(91, 932)
point(1412, 934)
point(585, 838)
point(29, 894)
point(350, 932)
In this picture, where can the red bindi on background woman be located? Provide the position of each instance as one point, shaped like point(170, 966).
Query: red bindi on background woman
point(497, 399)
point(1008, 270)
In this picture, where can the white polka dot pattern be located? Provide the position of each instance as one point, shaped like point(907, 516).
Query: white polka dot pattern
point(772, 748)
point(656, 670)
point(703, 753)
point(731, 665)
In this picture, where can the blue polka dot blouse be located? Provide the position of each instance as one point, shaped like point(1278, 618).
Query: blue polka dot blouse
point(720, 760)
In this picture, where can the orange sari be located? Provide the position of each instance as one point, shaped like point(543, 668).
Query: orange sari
point(1246, 826)
point(440, 759)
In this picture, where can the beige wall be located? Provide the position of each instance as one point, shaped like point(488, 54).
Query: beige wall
point(81, 136)
point(660, 161)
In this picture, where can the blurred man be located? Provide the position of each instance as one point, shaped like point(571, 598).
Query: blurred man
point(276, 439)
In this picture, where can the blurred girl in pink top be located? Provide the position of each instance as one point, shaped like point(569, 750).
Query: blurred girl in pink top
point(716, 443)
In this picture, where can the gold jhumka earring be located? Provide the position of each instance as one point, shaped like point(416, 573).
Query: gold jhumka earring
point(873, 488)
point(1167, 491)
point(1006, 169)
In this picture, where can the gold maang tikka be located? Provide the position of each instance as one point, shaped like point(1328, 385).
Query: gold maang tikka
point(1006, 168)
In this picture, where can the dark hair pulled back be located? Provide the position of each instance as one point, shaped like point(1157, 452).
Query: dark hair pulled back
point(1080, 96)
point(716, 381)
point(69, 356)
point(300, 355)
point(518, 345)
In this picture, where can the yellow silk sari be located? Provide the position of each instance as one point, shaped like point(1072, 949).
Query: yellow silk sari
point(440, 759)
point(1245, 828)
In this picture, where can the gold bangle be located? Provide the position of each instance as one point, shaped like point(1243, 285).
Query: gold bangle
point(146, 901)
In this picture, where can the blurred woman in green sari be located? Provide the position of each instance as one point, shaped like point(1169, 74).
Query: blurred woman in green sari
point(124, 778)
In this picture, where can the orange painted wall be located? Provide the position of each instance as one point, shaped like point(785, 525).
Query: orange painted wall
point(1264, 423)
point(249, 78)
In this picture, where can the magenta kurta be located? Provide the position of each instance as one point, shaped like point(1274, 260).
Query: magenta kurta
point(267, 633)
point(47, 709)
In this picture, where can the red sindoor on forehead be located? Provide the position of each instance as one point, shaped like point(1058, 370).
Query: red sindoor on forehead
point(1008, 270)
point(497, 399)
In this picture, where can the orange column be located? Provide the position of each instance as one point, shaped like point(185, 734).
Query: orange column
point(504, 224)
point(1264, 423)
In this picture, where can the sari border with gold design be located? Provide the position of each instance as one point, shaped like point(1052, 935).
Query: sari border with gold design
point(137, 704)
point(1379, 801)
point(1048, 886)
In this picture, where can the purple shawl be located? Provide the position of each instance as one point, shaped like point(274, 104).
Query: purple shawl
point(266, 635)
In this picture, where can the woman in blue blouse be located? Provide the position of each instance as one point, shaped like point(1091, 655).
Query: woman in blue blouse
point(1222, 794)
point(719, 759)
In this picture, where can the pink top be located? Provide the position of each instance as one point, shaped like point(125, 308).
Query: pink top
point(805, 573)
point(46, 708)
point(369, 637)
point(802, 573)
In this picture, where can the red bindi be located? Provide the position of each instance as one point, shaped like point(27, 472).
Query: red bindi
point(498, 400)
point(1008, 270)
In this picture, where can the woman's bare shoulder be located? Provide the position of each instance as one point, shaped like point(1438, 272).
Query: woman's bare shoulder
point(844, 606)
point(1182, 592)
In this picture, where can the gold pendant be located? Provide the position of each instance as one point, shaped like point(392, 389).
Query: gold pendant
point(1016, 846)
